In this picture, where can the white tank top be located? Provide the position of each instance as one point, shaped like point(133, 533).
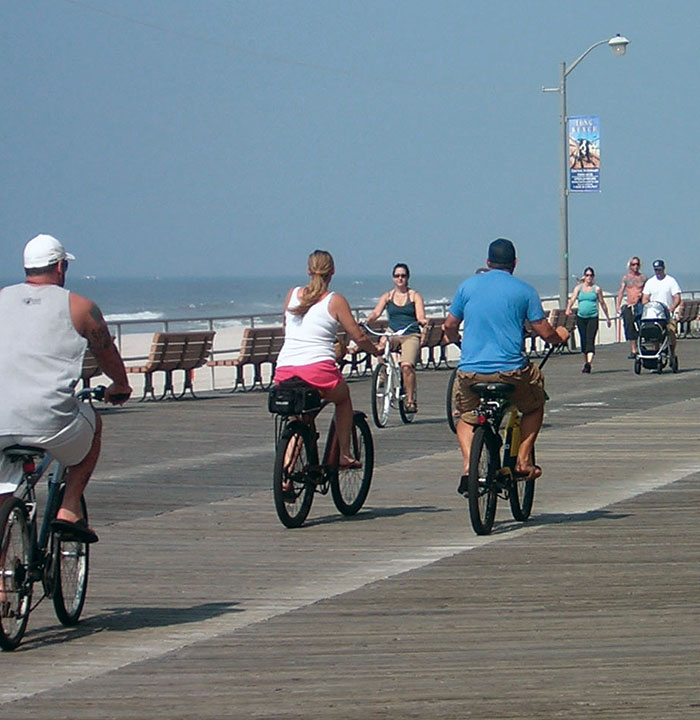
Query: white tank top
point(41, 359)
point(308, 338)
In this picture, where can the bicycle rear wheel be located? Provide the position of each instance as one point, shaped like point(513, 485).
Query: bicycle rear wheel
point(15, 590)
point(381, 395)
point(450, 407)
point(70, 566)
point(292, 488)
point(481, 486)
point(350, 486)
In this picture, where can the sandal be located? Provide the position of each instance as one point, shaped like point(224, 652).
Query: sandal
point(288, 494)
point(410, 407)
point(352, 464)
point(532, 473)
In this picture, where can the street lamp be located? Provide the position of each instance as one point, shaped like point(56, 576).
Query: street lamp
point(618, 45)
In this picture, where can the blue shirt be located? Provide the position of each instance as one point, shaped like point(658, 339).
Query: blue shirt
point(494, 306)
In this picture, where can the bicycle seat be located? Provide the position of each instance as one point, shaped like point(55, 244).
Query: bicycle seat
point(492, 390)
point(17, 452)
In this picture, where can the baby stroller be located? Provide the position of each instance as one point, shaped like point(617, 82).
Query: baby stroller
point(654, 352)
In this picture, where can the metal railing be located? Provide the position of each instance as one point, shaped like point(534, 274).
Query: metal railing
point(121, 327)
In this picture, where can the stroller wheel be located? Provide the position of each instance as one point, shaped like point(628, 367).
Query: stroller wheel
point(637, 366)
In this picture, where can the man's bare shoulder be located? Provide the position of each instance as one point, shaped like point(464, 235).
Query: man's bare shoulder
point(85, 313)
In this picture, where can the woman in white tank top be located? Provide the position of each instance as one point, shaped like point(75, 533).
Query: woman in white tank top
point(312, 316)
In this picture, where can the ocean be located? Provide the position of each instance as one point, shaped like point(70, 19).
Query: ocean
point(147, 301)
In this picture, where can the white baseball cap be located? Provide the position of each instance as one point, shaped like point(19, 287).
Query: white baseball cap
point(44, 250)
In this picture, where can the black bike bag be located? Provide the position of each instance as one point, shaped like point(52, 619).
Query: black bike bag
point(293, 397)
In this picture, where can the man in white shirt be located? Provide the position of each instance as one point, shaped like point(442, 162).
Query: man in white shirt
point(44, 333)
point(664, 289)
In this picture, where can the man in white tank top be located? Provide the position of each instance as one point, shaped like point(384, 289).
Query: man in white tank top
point(44, 332)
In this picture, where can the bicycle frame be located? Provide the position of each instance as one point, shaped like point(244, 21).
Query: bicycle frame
point(28, 495)
point(388, 390)
point(330, 451)
point(493, 411)
point(389, 355)
point(26, 492)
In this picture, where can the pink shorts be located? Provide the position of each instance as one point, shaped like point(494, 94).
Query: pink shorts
point(323, 375)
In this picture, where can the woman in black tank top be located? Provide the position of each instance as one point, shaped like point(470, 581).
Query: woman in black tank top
point(405, 308)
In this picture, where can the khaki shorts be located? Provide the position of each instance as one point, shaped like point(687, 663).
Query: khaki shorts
point(528, 395)
point(410, 347)
point(68, 446)
point(672, 327)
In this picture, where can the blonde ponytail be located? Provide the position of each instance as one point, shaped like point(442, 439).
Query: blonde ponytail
point(321, 269)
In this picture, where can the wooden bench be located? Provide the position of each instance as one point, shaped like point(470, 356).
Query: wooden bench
point(259, 346)
point(687, 313)
point(559, 318)
point(436, 343)
point(357, 362)
point(171, 351)
point(90, 368)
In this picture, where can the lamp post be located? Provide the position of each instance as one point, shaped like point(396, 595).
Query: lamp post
point(618, 45)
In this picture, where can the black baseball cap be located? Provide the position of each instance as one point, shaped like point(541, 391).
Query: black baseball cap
point(659, 264)
point(502, 252)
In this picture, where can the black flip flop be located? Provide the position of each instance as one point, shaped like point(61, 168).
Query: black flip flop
point(79, 531)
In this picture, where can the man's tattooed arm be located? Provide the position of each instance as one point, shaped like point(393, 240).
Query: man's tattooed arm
point(98, 335)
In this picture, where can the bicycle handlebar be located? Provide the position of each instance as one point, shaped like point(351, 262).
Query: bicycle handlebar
point(98, 393)
point(546, 356)
point(387, 333)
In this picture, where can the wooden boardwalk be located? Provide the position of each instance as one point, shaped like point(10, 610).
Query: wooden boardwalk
point(201, 605)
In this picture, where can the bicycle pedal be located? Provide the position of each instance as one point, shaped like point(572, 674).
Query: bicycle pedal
point(6, 610)
point(314, 473)
point(463, 487)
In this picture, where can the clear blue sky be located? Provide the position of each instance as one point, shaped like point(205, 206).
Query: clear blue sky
point(175, 137)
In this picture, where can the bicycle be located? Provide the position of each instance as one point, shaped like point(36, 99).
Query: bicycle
point(492, 475)
point(387, 383)
point(30, 553)
point(297, 474)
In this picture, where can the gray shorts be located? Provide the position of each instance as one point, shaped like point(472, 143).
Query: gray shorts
point(68, 446)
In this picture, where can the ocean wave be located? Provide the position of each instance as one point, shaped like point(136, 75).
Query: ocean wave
point(144, 315)
point(440, 301)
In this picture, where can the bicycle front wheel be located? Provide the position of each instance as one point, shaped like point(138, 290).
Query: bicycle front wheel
point(450, 407)
point(15, 588)
point(350, 486)
point(481, 484)
point(521, 496)
point(381, 395)
point(70, 562)
point(407, 415)
point(292, 489)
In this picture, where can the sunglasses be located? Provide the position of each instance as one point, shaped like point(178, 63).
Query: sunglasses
point(400, 275)
point(633, 264)
point(588, 275)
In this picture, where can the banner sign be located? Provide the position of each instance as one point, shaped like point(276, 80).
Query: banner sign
point(584, 153)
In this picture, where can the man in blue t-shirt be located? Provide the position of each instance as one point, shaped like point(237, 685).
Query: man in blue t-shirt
point(494, 307)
